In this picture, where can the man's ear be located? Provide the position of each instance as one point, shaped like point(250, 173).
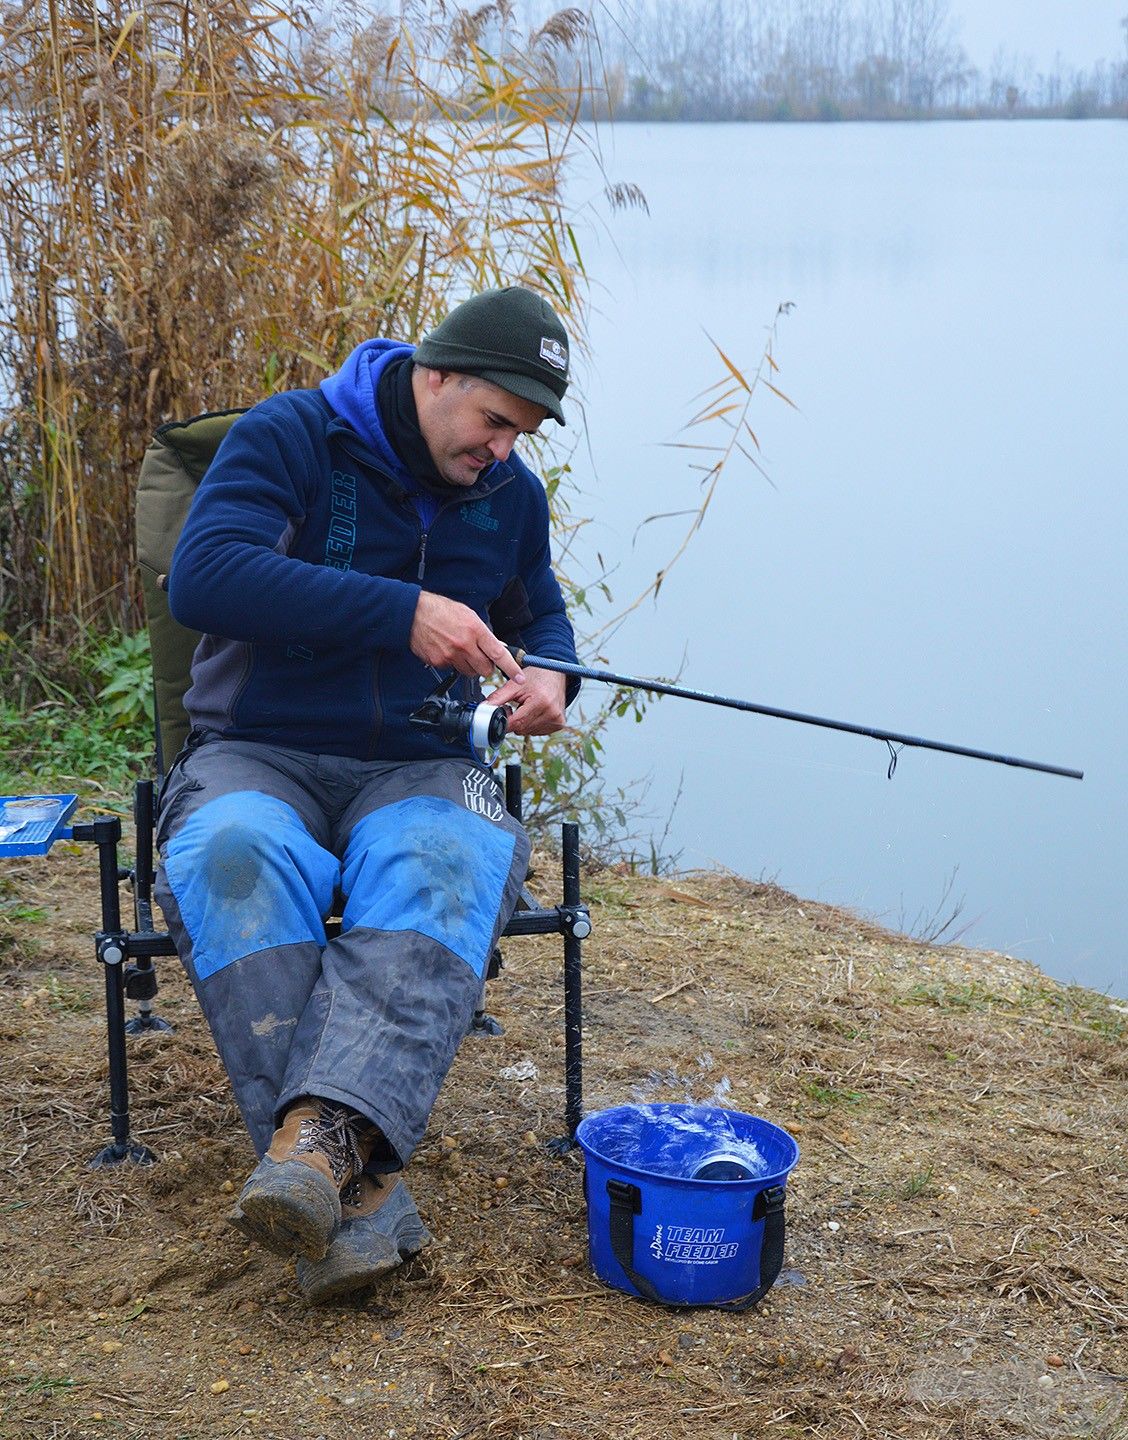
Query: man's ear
point(427, 384)
point(437, 379)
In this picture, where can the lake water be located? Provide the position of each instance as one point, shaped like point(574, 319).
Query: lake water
point(945, 549)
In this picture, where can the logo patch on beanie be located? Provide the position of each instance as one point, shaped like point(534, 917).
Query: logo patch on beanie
point(554, 353)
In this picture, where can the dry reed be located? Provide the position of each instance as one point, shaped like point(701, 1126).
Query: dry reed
point(207, 201)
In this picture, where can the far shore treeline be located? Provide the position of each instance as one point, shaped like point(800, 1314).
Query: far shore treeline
point(831, 60)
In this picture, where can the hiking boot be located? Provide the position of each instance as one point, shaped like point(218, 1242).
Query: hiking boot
point(380, 1228)
point(292, 1202)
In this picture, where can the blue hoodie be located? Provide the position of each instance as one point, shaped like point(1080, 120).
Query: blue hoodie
point(302, 560)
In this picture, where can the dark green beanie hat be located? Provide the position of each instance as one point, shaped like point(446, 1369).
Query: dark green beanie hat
point(511, 338)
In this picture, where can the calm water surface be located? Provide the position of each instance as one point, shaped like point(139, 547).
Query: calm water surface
point(944, 551)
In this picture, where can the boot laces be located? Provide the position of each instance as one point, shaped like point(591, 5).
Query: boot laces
point(354, 1190)
point(333, 1134)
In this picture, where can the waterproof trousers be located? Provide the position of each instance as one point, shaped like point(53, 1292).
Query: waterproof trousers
point(423, 863)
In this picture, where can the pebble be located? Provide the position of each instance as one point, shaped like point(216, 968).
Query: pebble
point(529, 1138)
point(244, 1348)
point(833, 1225)
point(448, 1142)
point(1046, 1382)
point(111, 1347)
point(501, 1183)
point(228, 1187)
point(1055, 1360)
point(120, 1295)
point(219, 1387)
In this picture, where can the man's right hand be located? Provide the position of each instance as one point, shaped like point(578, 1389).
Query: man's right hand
point(449, 636)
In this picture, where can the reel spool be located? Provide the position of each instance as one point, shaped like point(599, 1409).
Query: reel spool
point(472, 723)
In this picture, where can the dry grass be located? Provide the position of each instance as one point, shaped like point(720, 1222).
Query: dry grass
point(956, 1248)
point(208, 201)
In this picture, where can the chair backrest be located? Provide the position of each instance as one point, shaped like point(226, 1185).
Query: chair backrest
point(174, 464)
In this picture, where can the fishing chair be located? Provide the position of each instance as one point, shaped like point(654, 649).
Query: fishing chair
point(174, 464)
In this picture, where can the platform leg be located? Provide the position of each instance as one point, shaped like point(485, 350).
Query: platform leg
point(122, 1149)
point(111, 952)
point(573, 992)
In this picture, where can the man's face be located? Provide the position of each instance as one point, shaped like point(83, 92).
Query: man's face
point(469, 423)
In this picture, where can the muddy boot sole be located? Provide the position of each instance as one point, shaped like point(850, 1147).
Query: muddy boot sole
point(362, 1254)
point(288, 1208)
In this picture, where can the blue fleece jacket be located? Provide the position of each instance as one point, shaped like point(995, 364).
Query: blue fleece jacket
point(302, 560)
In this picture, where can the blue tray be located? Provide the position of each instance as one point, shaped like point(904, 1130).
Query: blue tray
point(38, 837)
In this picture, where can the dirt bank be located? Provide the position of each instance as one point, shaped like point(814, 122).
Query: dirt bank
point(956, 1256)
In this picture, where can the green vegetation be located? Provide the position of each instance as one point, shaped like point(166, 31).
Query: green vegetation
point(47, 1384)
point(63, 997)
point(832, 1094)
point(971, 996)
point(17, 912)
point(1073, 1006)
point(75, 716)
point(919, 1183)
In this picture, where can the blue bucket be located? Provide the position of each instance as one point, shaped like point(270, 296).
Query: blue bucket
point(685, 1202)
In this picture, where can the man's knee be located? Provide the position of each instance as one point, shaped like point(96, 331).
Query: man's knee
point(247, 876)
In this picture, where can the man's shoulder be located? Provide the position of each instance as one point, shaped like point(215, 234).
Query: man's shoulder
point(523, 476)
point(288, 416)
point(302, 409)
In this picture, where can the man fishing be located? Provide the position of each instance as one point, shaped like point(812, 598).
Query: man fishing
point(349, 547)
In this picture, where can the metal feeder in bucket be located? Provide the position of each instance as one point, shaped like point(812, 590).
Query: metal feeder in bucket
point(685, 1202)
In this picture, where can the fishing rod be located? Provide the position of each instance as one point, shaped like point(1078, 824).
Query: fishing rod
point(890, 737)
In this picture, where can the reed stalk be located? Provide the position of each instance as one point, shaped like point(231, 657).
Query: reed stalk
point(209, 200)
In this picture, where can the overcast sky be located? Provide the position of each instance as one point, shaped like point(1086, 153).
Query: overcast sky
point(1082, 30)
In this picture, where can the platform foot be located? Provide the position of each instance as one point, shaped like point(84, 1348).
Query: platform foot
point(149, 1024)
point(131, 1154)
point(484, 1024)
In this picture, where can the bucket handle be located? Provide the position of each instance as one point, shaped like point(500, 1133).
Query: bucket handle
point(626, 1203)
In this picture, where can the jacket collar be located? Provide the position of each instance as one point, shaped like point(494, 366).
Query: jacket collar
point(501, 473)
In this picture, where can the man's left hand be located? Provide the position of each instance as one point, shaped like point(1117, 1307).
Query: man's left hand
point(539, 702)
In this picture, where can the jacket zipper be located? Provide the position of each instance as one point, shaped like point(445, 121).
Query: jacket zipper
point(424, 533)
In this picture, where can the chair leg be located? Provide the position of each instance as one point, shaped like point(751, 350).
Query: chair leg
point(576, 927)
point(105, 832)
point(122, 1149)
point(483, 1023)
point(141, 985)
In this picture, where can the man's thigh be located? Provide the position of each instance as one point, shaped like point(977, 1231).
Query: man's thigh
point(429, 847)
point(242, 835)
point(217, 768)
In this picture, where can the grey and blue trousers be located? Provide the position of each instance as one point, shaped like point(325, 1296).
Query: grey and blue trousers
point(423, 864)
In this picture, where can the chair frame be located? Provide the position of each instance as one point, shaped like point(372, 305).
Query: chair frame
point(127, 955)
point(178, 456)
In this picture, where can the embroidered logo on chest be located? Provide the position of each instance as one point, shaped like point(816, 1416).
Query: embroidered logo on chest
point(477, 513)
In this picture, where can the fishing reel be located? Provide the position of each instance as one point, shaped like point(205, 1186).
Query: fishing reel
point(473, 723)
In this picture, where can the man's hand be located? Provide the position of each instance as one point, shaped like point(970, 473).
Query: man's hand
point(539, 698)
point(450, 636)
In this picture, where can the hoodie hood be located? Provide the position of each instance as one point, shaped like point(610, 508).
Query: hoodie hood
point(352, 394)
